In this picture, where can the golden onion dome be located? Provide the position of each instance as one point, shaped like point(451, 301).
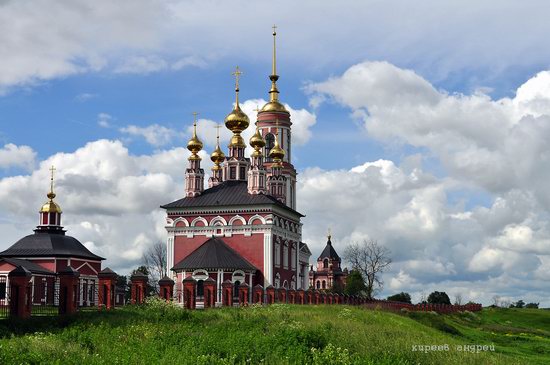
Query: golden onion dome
point(274, 106)
point(237, 120)
point(256, 140)
point(194, 145)
point(277, 153)
point(217, 155)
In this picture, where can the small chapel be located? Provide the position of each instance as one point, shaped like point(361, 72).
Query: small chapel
point(244, 227)
point(48, 253)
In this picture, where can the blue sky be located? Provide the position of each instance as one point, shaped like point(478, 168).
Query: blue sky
point(423, 123)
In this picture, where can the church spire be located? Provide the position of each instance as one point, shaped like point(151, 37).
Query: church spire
point(194, 175)
point(274, 105)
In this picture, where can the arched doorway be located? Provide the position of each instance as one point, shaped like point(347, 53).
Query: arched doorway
point(200, 290)
point(236, 285)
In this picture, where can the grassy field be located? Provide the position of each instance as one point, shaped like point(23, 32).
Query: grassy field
point(277, 334)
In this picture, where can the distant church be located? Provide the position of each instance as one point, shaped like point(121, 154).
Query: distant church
point(46, 253)
point(244, 228)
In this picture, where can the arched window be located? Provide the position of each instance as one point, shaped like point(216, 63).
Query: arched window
point(269, 143)
point(318, 284)
point(277, 280)
point(324, 285)
point(277, 253)
point(325, 263)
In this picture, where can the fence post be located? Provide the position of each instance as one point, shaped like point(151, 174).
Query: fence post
point(258, 294)
point(209, 290)
point(291, 296)
point(68, 290)
point(20, 300)
point(227, 293)
point(166, 287)
point(300, 296)
point(189, 292)
point(107, 281)
point(270, 290)
point(139, 284)
point(243, 294)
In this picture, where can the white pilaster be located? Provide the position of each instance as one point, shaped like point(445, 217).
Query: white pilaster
point(268, 259)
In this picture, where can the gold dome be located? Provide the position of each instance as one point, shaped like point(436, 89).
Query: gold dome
point(237, 141)
point(217, 156)
point(237, 120)
point(50, 207)
point(274, 106)
point(194, 145)
point(256, 140)
point(277, 153)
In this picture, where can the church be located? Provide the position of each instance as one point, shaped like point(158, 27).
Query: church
point(244, 228)
point(47, 253)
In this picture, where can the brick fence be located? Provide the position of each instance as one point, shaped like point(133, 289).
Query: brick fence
point(270, 295)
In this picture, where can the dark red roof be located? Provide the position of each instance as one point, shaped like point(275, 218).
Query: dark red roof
point(214, 254)
point(228, 193)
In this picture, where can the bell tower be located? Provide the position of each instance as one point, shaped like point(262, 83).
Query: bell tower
point(273, 121)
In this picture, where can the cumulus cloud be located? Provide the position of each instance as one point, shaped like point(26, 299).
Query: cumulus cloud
point(155, 134)
point(497, 144)
point(497, 147)
point(152, 35)
point(12, 155)
point(110, 198)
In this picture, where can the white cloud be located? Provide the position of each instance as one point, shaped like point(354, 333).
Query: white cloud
point(17, 156)
point(104, 120)
point(110, 198)
point(155, 134)
point(152, 35)
point(497, 144)
point(142, 65)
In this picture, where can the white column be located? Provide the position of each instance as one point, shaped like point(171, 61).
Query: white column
point(268, 259)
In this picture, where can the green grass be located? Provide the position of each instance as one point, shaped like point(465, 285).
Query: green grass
point(277, 334)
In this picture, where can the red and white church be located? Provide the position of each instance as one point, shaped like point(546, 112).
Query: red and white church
point(244, 228)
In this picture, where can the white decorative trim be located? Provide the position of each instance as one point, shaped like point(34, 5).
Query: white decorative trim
point(86, 264)
point(218, 221)
point(254, 217)
point(200, 274)
point(199, 219)
point(180, 219)
point(237, 218)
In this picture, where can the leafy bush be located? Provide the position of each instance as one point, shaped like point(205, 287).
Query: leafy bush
point(438, 298)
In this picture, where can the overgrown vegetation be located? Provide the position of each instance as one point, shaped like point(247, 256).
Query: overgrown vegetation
point(161, 332)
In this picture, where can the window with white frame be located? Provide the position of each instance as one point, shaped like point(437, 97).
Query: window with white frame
point(277, 253)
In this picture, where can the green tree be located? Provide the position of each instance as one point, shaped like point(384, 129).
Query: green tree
point(354, 283)
point(401, 297)
point(532, 305)
point(438, 298)
point(519, 304)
